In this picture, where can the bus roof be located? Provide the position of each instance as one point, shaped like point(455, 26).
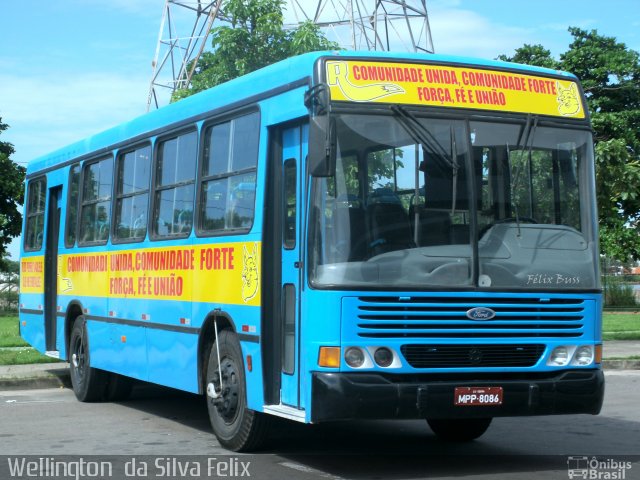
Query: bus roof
point(268, 78)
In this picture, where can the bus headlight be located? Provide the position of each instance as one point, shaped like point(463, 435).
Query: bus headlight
point(583, 355)
point(383, 357)
point(559, 356)
point(354, 357)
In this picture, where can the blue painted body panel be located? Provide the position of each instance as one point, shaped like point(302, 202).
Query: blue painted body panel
point(327, 318)
point(33, 329)
point(109, 352)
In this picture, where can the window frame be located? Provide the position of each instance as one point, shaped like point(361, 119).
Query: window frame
point(29, 214)
point(68, 215)
point(155, 188)
point(201, 179)
point(289, 243)
point(116, 196)
point(82, 204)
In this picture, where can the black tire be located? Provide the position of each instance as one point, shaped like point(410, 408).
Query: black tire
point(88, 383)
point(118, 388)
point(237, 427)
point(459, 429)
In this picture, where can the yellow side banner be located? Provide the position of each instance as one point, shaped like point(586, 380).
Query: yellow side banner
point(220, 273)
point(32, 275)
point(456, 87)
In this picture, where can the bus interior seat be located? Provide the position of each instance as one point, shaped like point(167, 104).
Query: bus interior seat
point(349, 229)
point(434, 226)
point(460, 234)
point(388, 222)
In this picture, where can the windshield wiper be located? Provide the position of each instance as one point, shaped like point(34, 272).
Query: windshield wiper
point(424, 137)
point(420, 134)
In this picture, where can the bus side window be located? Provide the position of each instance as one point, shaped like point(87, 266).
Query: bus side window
point(132, 194)
point(174, 186)
point(35, 214)
point(72, 206)
point(95, 215)
point(228, 186)
point(289, 178)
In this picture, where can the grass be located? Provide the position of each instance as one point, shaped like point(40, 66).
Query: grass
point(10, 334)
point(621, 326)
point(10, 337)
point(621, 322)
point(23, 356)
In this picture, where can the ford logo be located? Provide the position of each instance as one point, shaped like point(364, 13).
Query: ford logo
point(480, 314)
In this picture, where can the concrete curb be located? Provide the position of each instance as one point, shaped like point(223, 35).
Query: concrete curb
point(621, 364)
point(45, 375)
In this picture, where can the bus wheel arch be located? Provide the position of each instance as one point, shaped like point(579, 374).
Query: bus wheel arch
point(207, 339)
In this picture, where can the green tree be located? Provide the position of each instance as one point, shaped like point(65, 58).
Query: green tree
point(610, 76)
point(9, 285)
point(254, 38)
point(11, 194)
point(532, 55)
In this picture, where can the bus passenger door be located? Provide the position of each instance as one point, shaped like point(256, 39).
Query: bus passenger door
point(292, 150)
point(51, 269)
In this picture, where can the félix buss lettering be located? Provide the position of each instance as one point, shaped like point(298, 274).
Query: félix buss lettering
point(552, 279)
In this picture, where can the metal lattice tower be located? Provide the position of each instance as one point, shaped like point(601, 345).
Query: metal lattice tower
point(184, 29)
point(383, 25)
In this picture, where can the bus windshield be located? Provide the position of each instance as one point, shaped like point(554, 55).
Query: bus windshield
point(444, 202)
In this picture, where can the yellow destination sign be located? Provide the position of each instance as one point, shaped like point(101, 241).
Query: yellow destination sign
point(217, 273)
point(32, 275)
point(221, 273)
point(456, 87)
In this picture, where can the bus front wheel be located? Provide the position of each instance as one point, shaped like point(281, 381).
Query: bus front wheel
point(459, 429)
point(88, 383)
point(237, 427)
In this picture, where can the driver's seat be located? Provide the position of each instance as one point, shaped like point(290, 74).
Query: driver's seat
point(387, 222)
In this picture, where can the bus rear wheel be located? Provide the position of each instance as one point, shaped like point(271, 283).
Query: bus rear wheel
point(459, 429)
point(237, 427)
point(88, 383)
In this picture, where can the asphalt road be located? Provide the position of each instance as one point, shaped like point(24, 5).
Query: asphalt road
point(161, 422)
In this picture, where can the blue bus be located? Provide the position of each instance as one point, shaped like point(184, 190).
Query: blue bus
point(340, 235)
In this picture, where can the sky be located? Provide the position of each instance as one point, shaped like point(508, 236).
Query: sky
point(72, 68)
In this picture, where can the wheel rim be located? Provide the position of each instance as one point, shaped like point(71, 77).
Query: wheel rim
point(226, 404)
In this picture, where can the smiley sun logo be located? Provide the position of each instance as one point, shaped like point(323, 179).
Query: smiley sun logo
point(249, 273)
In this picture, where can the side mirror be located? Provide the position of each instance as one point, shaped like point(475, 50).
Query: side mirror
point(322, 128)
point(322, 145)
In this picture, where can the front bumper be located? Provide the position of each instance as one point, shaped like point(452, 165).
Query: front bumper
point(341, 396)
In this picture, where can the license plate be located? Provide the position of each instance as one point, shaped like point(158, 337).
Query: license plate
point(477, 396)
